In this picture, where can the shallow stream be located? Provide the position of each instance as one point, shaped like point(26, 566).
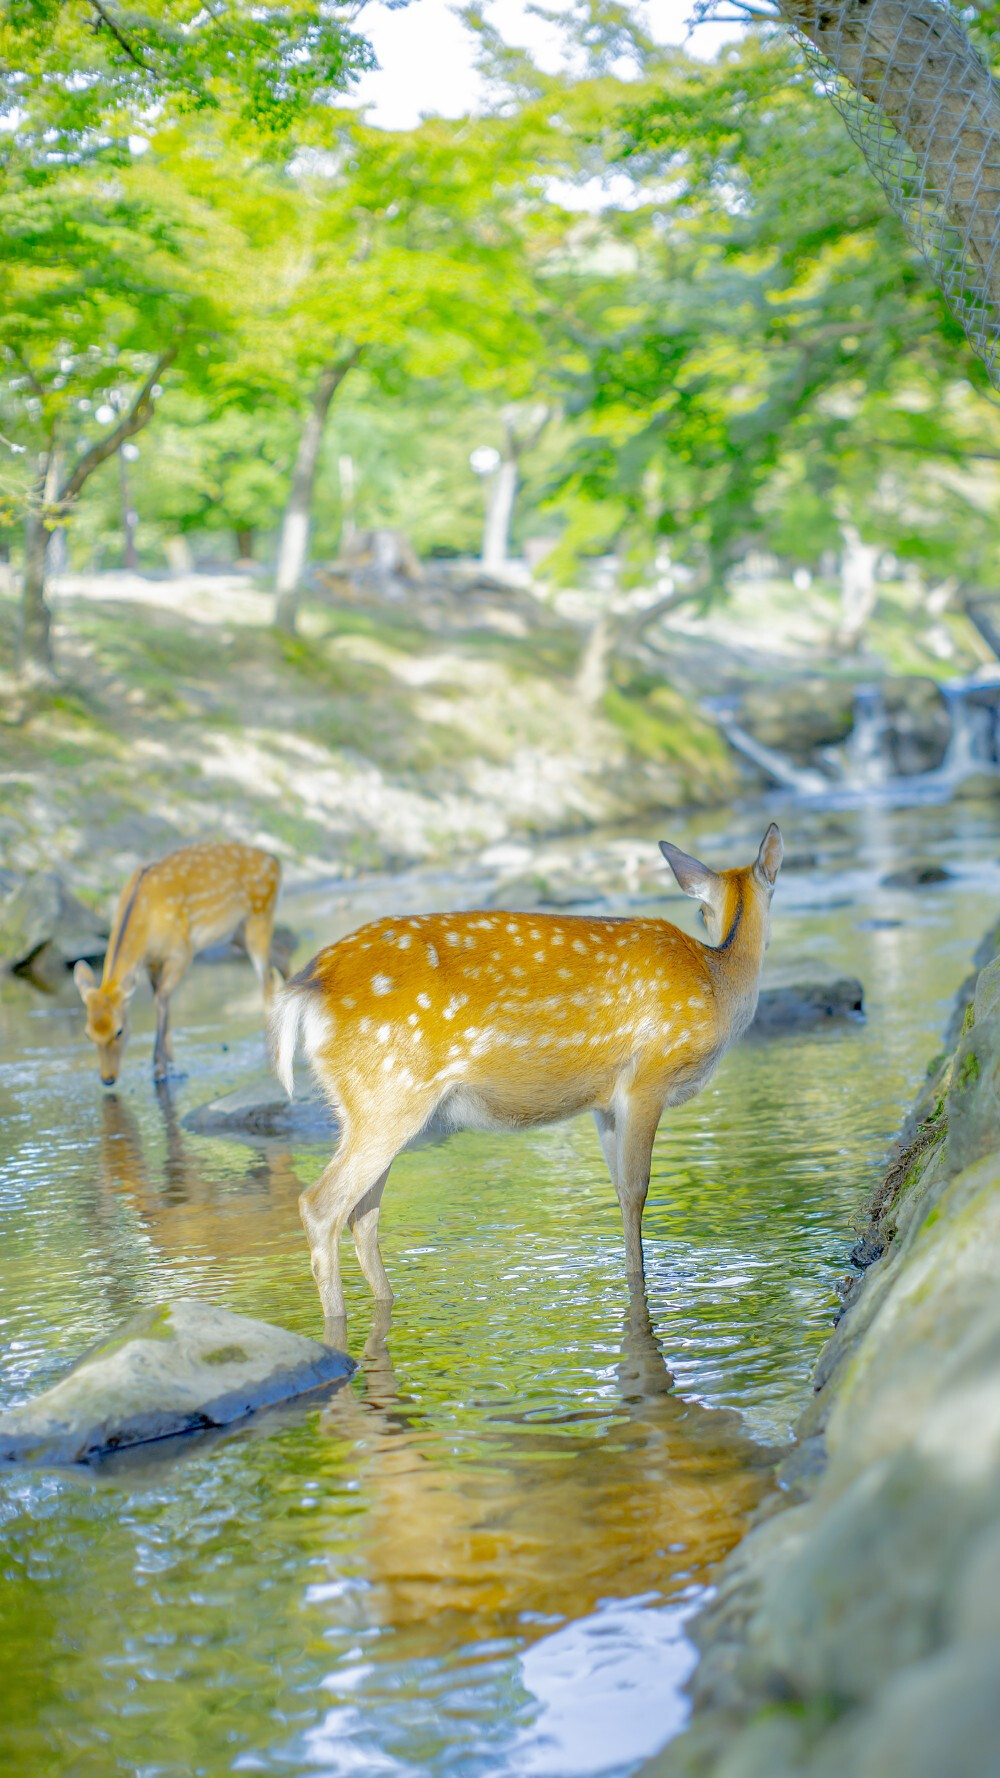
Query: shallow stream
point(480, 1556)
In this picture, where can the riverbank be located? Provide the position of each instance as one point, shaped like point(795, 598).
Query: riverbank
point(379, 737)
point(856, 1628)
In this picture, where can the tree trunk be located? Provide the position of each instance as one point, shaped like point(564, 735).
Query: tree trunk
point(914, 60)
point(293, 548)
point(348, 526)
point(244, 543)
point(50, 500)
point(500, 497)
point(521, 432)
point(858, 588)
point(130, 518)
point(34, 651)
point(35, 638)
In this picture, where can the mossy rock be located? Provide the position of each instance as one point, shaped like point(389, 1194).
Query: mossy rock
point(174, 1368)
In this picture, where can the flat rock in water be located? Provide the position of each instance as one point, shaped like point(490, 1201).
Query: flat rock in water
point(917, 876)
point(263, 1113)
point(178, 1367)
point(794, 1005)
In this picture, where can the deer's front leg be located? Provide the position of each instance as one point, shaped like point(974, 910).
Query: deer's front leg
point(636, 1122)
point(164, 978)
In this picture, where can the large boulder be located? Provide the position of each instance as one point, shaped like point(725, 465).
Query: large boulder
point(799, 717)
point(39, 915)
point(918, 724)
point(175, 1368)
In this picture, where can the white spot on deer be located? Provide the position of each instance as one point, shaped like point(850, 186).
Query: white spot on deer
point(388, 1064)
point(564, 975)
point(469, 942)
point(411, 1019)
point(348, 1001)
point(382, 984)
point(404, 942)
point(383, 1033)
point(578, 945)
point(424, 1000)
point(696, 1000)
point(455, 1003)
point(453, 938)
point(539, 956)
point(364, 1024)
point(432, 957)
point(512, 926)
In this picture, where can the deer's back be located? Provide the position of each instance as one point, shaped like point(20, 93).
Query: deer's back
point(517, 1018)
point(200, 893)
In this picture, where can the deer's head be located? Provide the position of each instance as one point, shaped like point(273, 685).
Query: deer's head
point(726, 895)
point(107, 1018)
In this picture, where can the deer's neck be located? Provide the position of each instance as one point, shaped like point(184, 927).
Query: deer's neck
point(734, 966)
point(127, 944)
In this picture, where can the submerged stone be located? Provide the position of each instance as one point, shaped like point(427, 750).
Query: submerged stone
point(263, 1112)
point(177, 1367)
point(788, 1006)
point(917, 876)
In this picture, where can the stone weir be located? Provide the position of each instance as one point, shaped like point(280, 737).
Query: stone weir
point(856, 1629)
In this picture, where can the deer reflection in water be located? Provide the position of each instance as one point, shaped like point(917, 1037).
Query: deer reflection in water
point(544, 1519)
point(467, 1528)
point(185, 1209)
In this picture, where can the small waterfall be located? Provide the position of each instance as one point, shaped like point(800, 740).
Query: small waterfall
point(972, 745)
point(804, 780)
point(867, 761)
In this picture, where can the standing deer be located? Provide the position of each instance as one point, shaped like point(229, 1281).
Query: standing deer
point(166, 913)
point(498, 1021)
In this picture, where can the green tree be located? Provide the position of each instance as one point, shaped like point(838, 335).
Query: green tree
point(769, 362)
point(102, 292)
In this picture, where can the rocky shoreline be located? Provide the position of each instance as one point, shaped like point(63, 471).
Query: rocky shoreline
point(857, 1626)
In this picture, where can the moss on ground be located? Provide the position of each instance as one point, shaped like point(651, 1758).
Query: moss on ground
point(367, 738)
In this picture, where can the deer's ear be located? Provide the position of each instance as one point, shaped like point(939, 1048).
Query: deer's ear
point(84, 978)
point(127, 985)
point(693, 877)
point(768, 861)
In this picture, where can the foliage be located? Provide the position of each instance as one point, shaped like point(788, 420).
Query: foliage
point(261, 62)
point(772, 361)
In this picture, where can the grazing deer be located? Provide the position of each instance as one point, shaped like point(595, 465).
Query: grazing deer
point(166, 913)
point(504, 1021)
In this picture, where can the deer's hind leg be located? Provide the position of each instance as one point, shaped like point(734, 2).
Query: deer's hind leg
point(350, 1191)
point(164, 978)
point(257, 931)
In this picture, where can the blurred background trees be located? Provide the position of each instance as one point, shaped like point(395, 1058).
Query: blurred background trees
point(660, 300)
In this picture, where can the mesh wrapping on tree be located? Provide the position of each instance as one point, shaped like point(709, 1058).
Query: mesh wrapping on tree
point(925, 112)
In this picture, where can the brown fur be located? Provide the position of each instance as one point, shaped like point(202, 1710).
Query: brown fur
point(501, 1020)
point(166, 913)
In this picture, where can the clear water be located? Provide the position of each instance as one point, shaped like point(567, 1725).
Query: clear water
point(481, 1555)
